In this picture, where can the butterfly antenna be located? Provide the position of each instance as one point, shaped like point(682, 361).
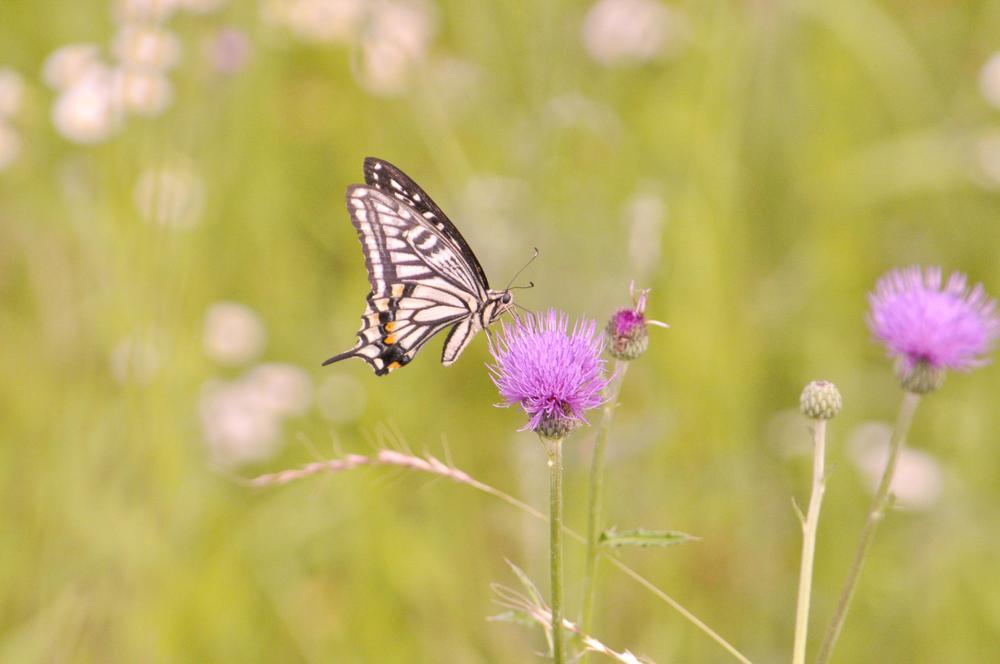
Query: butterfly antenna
point(523, 268)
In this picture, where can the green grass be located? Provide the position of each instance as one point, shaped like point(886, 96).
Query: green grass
point(800, 153)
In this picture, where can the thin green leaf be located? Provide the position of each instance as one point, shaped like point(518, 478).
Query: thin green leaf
point(613, 538)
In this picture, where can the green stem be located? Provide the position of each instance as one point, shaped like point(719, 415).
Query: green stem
point(875, 515)
point(809, 527)
point(554, 449)
point(596, 500)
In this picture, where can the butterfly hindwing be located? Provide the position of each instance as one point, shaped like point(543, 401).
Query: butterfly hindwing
point(458, 339)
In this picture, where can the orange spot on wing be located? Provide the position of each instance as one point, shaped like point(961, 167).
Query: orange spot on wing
point(390, 326)
point(394, 365)
point(391, 339)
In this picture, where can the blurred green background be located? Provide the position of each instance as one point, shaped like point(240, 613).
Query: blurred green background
point(176, 261)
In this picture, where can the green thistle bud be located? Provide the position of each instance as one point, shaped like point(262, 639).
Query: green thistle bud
point(553, 427)
point(820, 400)
point(921, 378)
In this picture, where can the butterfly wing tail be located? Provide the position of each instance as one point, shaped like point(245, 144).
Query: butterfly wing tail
point(381, 364)
point(341, 356)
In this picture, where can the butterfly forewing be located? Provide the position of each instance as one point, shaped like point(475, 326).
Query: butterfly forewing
point(392, 181)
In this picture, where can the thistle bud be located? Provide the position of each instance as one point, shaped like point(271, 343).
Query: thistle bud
point(627, 337)
point(557, 425)
point(921, 378)
point(820, 400)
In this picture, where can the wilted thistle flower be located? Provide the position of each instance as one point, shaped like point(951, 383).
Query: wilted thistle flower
point(820, 400)
point(930, 326)
point(553, 374)
point(626, 331)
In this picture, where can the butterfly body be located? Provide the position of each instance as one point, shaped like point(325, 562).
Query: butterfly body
point(424, 277)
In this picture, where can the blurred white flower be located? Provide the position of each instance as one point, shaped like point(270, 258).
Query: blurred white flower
point(170, 195)
point(11, 92)
point(341, 398)
point(87, 111)
point(234, 334)
point(918, 480)
point(228, 51)
point(394, 41)
point(317, 20)
point(645, 214)
point(284, 388)
point(987, 159)
point(136, 359)
point(142, 93)
point(69, 64)
point(989, 80)
point(10, 145)
point(144, 47)
point(619, 32)
point(235, 425)
point(150, 11)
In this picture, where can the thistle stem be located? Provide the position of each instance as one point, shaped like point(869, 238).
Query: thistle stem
point(879, 505)
point(809, 527)
point(554, 449)
point(596, 499)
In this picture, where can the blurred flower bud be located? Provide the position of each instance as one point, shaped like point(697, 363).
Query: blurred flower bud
point(234, 333)
point(820, 400)
point(228, 51)
point(921, 378)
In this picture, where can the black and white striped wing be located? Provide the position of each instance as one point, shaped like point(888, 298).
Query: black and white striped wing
point(420, 282)
point(392, 181)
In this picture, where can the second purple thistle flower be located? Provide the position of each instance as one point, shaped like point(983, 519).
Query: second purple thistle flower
point(554, 374)
point(930, 325)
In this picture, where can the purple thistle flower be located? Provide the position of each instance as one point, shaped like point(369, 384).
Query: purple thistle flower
point(554, 375)
point(930, 326)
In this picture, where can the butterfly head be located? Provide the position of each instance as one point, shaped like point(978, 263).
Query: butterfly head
point(497, 304)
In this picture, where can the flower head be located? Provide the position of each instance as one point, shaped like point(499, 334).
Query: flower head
point(555, 375)
point(626, 331)
point(930, 326)
point(820, 400)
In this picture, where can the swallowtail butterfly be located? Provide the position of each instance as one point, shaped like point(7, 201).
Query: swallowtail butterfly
point(423, 275)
